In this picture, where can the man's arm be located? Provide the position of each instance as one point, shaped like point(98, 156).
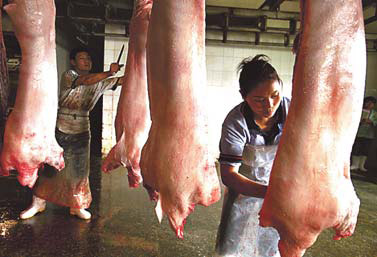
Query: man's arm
point(120, 81)
point(93, 78)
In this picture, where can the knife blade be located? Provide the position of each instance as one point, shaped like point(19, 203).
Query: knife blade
point(120, 54)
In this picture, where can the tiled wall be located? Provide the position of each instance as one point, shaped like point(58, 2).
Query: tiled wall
point(371, 79)
point(222, 81)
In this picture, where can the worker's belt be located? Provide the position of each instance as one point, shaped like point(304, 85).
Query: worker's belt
point(75, 114)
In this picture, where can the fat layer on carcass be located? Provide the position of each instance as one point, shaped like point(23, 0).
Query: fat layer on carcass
point(132, 121)
point(175, 164)
point(310, 187)
point(29, 139)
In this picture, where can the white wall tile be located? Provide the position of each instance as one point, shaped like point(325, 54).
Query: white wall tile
point(228, 64)
point(107, 101)
point(214, 50)
point(228, 51)
point(109, 56)
point(115, 102)
point(217, 78)
point(228, 77)
point(238, 52)
point(108, 117)
point(106, 131)
point(109, 44)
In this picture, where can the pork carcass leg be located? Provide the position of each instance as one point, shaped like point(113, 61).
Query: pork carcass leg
point(175, 163)
point(29, 139)
point(310, 187)
point(4, 83)
point(132, 121)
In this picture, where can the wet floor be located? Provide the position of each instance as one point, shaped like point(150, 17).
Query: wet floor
point(124, 224)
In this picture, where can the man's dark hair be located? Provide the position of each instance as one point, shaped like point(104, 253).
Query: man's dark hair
point(75, 51)
point(370, 99)
point(255, 70)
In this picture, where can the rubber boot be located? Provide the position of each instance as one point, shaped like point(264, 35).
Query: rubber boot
point(355, 162)
point(362, 163)
point(38, 205)
point(81, 213)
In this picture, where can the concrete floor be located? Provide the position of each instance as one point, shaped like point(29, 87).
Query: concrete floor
point(124, 224)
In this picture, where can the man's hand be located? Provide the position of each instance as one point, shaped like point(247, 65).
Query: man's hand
point(115, 67)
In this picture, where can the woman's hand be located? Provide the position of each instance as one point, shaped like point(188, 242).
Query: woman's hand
point(241, 184)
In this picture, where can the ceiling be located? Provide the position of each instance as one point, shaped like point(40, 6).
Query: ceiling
point(251, 22)
point(279, 18)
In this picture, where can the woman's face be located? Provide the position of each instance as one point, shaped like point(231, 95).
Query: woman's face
point(265, 99)
point(82, 62)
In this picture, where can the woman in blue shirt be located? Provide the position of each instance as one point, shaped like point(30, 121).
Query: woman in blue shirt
point(250, 134)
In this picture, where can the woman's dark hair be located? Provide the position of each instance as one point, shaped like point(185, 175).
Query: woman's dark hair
point(254, 71)
point(370, 99)
point(75, 51)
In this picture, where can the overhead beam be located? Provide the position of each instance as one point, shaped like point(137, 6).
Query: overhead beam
point(211, 9)
point(370, 20)
point(373, 18)
point(367, 3)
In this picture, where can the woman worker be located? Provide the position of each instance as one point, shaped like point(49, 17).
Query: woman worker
point(79, 92)
point(250, 134)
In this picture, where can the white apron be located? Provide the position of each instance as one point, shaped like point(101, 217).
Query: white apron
point(239, 232)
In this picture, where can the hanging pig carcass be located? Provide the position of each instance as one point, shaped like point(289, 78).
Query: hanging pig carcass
point(175, 164)
point(29, 139)
point(310, 187)
point(132, 121)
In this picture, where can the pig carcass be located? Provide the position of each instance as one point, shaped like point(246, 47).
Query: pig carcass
point(29, 138)
point(4, 83)
point(175, 164)
point(132, 121)
point(310, 187)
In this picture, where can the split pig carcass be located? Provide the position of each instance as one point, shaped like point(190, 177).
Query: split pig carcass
point(175, 164)
point(132, 120)
point(29, 138)
point(310, 188)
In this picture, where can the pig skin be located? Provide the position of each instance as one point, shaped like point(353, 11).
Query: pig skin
point(175, 164)
point(310, 187)
point(29, 139)
point(132, 121)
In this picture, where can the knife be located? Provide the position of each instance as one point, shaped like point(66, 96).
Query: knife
point(119, 57)
point(120, 54)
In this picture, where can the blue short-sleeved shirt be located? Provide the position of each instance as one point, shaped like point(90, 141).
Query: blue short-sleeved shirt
point(239, 129)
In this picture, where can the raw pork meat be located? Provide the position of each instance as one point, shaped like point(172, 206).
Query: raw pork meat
point(132, 121)
point(175, 164)
point(4, 82)
point(310, 187)
point(29, 138)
